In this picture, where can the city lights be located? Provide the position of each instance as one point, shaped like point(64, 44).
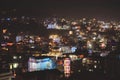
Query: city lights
point(15, 65)
point(59, 40)
point(76, 45)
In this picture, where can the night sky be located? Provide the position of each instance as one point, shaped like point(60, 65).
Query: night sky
point(101, 9)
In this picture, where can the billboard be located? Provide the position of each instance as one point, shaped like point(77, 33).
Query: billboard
point(40, 64)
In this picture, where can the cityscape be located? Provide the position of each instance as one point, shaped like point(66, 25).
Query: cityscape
point(59, 46)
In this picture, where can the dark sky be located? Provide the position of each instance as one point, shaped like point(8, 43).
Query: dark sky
point(109, 9)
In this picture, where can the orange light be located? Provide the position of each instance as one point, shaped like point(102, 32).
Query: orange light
point(4, 30)
point(9, 44)
point(81, 56)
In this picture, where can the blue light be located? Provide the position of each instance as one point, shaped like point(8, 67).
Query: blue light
point(44, 60)
point(8, 19)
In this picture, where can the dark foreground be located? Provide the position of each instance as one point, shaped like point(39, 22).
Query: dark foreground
point(56, 75)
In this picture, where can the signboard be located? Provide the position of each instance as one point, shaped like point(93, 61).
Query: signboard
point(67, 67)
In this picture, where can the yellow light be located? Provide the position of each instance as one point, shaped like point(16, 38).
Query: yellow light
point(4, 48)
point(11, 66)
point(53, 36)
point(15, 65)
point(70, 32)
point(4, 30)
